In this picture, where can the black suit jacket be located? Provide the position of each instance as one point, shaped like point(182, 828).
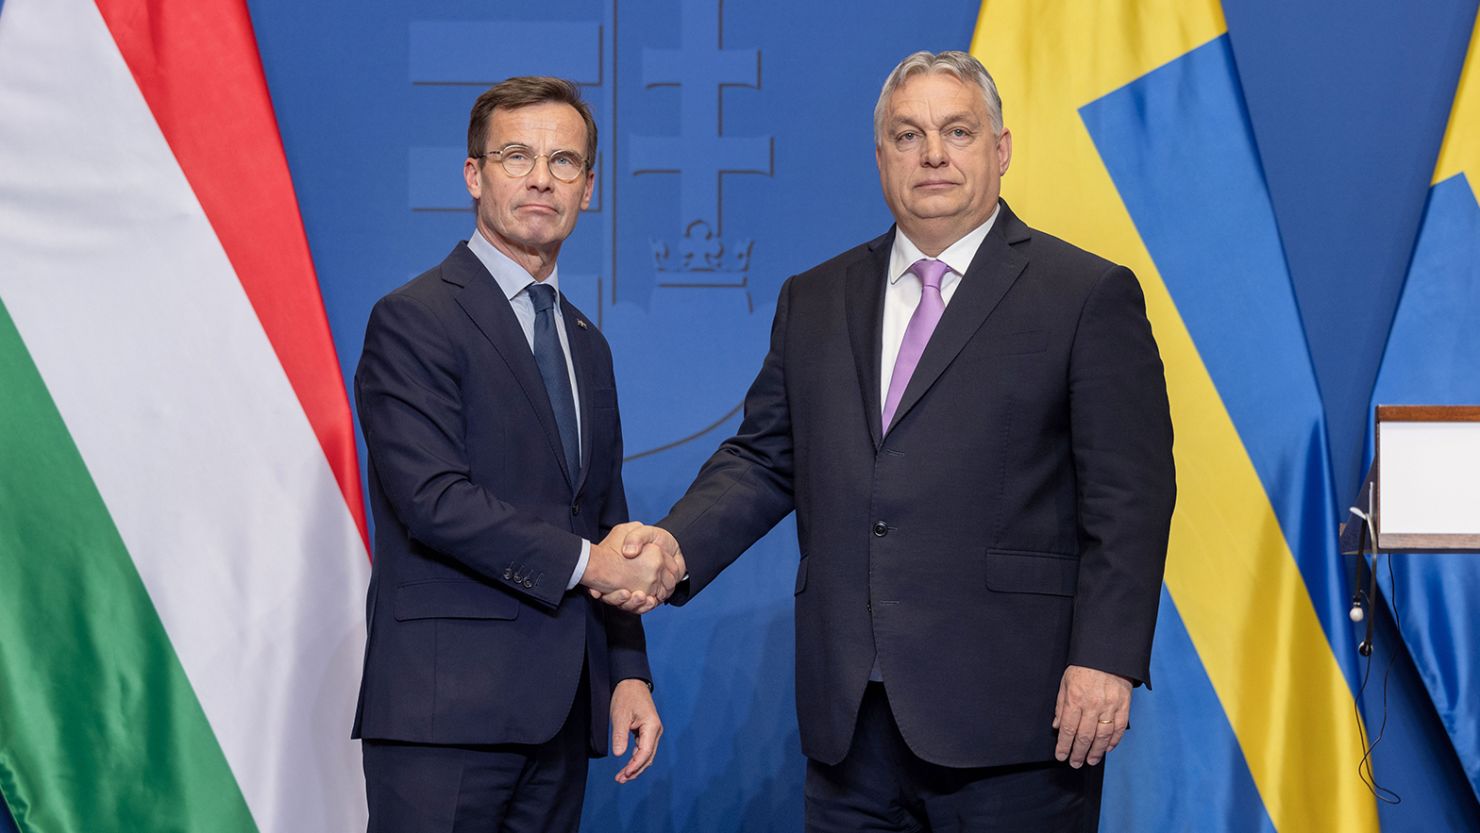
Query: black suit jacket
point(473, 637)
point(1012, 520)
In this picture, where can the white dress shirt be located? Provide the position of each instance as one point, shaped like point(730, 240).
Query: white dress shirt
point(515, 283)
point(902, 296)
point(900, 299)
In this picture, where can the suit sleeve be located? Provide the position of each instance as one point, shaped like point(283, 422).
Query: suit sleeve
point(1122, 445)
point(410, 403)
point(745, 488)
point(626, 641)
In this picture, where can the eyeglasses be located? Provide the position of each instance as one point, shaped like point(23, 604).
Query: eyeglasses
point(518, 160)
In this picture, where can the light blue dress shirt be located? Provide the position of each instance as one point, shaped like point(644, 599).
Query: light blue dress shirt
point(515, 283)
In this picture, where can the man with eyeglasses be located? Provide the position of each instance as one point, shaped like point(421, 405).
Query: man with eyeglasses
point(969, 417)
point(489, 412)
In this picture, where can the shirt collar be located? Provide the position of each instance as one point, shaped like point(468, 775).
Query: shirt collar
point(957, 256)
point(510, 276)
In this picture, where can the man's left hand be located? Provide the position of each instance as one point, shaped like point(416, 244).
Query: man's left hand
point(633, 711)
point(1092, 714)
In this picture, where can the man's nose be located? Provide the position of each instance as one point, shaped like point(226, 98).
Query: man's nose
point(933, 154)
point(539, 176)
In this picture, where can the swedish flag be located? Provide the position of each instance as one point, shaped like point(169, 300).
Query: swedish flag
point(1133, 140)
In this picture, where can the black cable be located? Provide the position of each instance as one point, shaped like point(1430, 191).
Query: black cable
point(1360, 599)
point(1364, 766)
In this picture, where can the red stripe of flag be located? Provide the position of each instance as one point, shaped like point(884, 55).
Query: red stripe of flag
point(196, 62)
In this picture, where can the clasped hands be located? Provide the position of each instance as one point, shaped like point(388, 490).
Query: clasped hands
point(634, 568)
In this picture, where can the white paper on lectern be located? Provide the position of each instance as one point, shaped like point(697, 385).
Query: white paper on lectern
point(1430, 477)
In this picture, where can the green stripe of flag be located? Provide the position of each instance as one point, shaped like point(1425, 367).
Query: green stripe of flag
point(99, 727)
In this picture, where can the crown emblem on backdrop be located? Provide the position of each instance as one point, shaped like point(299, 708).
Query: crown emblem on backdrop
point(701, 250)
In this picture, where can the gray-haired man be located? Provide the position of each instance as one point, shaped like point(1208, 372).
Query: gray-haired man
point(969, 418)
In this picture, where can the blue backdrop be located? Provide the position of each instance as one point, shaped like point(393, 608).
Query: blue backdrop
point(736, 149)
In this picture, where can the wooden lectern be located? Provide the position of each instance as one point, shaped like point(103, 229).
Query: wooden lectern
point(1425, 479)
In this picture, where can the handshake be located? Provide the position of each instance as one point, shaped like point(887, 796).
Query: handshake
point(635, 568)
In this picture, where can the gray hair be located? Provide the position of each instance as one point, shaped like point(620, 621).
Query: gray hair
point(960, 65)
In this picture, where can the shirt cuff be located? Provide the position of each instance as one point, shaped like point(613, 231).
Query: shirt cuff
point(575, 577)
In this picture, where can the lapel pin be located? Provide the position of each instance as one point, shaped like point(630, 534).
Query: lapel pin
point(580, 323)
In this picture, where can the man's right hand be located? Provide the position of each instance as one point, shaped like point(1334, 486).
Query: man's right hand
point(640, 541)
point(636, 583)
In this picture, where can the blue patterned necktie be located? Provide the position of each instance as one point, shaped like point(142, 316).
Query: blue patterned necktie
point(551, 359)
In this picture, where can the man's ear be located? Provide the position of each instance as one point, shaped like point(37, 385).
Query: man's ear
point(470, 177)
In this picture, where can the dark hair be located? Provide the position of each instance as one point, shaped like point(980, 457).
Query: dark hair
point(523, 91)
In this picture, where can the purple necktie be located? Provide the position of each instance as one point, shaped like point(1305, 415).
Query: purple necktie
point(917, 334)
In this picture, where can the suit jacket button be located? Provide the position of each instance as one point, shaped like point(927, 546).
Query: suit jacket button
point(881, 529)
point(508, 573)
point(575, 508)
point(528, 583)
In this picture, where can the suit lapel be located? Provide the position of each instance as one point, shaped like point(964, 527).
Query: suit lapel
point(483, 301)
point(992, 272)
point(579, 336)
point(863, 303)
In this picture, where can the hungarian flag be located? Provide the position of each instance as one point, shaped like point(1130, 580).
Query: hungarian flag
point(182, 546)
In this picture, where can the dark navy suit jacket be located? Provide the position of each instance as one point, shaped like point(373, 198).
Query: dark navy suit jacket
point(1011, 521)
point(473, 638)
